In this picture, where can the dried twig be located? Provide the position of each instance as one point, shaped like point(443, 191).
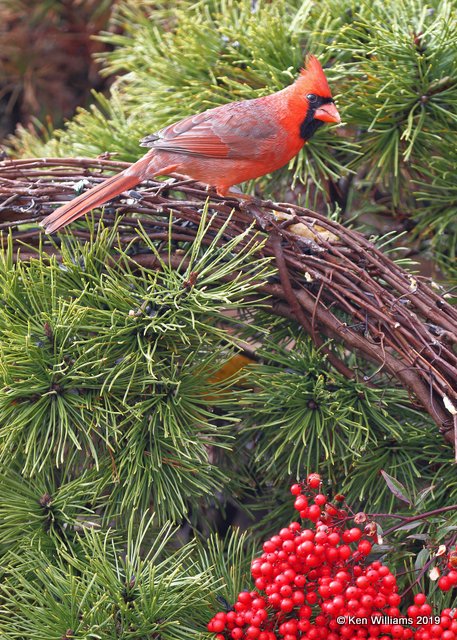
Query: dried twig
point(333, 282)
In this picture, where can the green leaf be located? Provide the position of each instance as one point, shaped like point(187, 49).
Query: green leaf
point(421, 559)
point(396, 487)
point(422, 495)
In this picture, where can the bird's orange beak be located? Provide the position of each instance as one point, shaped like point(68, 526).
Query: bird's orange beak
point(327, 113)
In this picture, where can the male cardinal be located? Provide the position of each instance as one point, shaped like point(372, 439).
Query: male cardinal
point(223, 146)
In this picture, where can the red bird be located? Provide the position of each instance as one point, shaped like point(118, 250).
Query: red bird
point(224, 146)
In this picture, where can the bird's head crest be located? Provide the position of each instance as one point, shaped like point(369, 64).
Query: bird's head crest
point(312, 76)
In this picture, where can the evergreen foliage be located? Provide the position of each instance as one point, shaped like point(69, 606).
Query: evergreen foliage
point(113, 406)
point(99, 360)
point(109, 590)
point(392, 64)
point(110, 401)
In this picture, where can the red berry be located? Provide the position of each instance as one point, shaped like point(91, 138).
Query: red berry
point(266, 569)
point(444, 583)
point(274, 600)
point(286, 605)
point(336, 587)
point(320, 566)
point(314, 512)
point(344, 552)
point(364, 547)
point(300, 581)
point(218, 625)
point(313, 480)
point(298, 597)
point(301, 502)
point(333, 538)
point(244, 597)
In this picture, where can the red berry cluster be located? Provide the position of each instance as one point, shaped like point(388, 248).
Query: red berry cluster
point(449, 580)
point(316, 584)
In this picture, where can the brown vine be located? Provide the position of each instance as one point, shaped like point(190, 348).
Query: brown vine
point(332, 280)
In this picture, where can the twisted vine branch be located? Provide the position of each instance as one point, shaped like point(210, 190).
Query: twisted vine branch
point(333, 281)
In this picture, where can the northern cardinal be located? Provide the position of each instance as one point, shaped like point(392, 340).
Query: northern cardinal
point(223, 146)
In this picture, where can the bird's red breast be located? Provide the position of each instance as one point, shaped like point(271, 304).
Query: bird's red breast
point(224, 146)
point(243, 140)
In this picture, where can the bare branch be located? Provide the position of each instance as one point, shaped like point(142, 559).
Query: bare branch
point(333, 281)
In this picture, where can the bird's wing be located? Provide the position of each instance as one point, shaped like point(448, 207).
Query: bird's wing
point(230, 131)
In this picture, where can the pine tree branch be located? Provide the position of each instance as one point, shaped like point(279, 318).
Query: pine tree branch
point(346, 287)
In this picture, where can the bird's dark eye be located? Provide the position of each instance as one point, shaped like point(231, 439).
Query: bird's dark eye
point(311, 97)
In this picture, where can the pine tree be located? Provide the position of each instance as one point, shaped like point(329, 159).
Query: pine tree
point(112, 402)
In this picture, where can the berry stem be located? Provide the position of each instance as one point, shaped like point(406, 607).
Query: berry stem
point(408, 519)
point(419, 577)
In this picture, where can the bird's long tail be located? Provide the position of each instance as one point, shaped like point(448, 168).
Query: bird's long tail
point(102, 193)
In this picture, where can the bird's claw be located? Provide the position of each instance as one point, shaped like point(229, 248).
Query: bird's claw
point(164, 187)
point(253, 206)
point(264, 220)
point(285, 224)
point(245, 205)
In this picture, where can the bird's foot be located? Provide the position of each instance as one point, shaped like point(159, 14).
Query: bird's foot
point(252, 206)
point(164, 187)
point(265, 221)
point(294, 219)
